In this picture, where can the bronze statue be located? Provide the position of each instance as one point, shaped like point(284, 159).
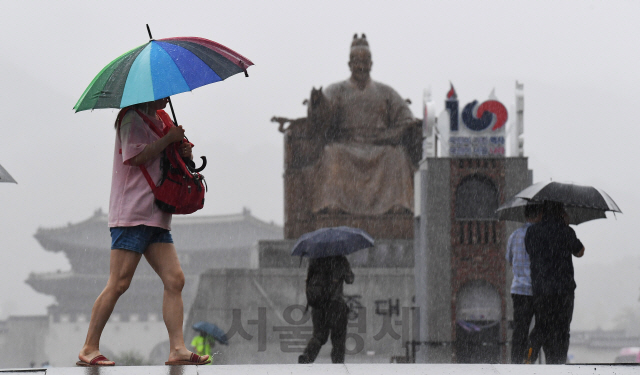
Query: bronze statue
point(364, 168)
point(352, 160)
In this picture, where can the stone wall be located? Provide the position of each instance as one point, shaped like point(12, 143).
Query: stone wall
point(22, 341)
point(263, 311)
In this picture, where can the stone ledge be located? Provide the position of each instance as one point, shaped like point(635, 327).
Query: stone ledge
point(346, 369)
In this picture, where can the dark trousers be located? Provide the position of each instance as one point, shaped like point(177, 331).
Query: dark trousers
point(522, 315)
point(331, 320)
point(551, 331)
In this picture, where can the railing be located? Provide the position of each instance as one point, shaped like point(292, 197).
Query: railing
point(477, 232)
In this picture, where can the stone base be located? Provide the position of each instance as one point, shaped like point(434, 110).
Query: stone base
point(389, 226)
point(385, 254)
point(262, 311)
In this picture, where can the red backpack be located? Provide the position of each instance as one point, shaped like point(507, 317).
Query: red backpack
point(181, 189)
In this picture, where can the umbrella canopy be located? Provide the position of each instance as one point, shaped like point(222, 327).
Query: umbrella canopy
point(571, 195)
point(513, 210)
point(159, 69)
point(5, 176)
point(211, 330)
point(326, 242)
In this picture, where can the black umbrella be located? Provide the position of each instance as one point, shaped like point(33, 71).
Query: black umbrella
point(571, 195)
point(326, 242)
point(513, 210)
point(5, 176)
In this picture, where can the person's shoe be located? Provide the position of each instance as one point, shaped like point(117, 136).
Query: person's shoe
point(527, 360)
point(94, 362)
point(303, 359)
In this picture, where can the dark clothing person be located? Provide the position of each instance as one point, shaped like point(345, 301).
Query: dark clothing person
point(551, 244)
point(328, 321)
point(330, 318)
point(551, 331)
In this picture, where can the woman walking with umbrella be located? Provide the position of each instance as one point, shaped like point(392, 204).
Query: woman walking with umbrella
point(138, 227)
point(140, 82)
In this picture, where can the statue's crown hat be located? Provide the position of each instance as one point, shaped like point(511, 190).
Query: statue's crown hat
point(359, 42)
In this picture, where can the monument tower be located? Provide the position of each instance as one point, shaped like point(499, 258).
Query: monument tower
point(462, 279)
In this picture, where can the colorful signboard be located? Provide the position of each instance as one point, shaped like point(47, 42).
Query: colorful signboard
point(476, 131)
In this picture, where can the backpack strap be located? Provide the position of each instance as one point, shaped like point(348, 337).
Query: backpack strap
point(143, 169)
point(147, 177)
point(148, 121)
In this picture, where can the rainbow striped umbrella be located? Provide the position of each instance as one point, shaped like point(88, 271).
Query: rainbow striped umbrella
point(159, 69)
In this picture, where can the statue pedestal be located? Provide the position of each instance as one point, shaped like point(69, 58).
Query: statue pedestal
point(389, 226)
point(385, 254)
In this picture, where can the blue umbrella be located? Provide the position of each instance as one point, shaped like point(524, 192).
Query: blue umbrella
point(326, 242)
point(212, 330)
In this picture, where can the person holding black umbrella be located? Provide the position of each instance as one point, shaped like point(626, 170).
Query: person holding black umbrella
point(328, 270)
point(329, 311)
point(551, 243)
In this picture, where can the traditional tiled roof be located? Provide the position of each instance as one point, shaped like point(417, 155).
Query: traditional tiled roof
point(203, 242)
point(190, 233)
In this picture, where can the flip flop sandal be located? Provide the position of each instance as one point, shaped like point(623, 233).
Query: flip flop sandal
point(94, 362)
point(193, 360)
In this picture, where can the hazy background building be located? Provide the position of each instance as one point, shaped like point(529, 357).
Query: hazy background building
point(136, 325)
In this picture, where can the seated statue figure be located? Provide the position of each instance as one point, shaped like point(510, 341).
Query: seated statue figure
point(366, 166)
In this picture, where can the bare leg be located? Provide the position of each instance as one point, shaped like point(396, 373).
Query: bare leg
point(164, 260)
point(122, 267)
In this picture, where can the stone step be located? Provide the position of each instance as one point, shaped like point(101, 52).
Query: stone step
point(346, 369)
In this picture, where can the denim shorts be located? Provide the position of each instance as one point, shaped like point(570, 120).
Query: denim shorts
point(138, 238)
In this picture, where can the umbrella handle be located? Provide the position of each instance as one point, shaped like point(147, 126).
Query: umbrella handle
point(173, 113)
point(204, 164)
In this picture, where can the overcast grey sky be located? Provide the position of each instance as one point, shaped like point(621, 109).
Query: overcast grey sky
point(577, 59)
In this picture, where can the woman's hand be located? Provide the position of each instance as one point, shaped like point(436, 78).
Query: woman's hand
point(185, 150)
point(175, 134)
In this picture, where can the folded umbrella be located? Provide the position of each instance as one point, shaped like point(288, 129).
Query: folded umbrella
point(211, 330)
point(334, 241)
point(571, 195)
point(513, 210)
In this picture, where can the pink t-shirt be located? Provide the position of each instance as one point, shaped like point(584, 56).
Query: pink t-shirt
point(132, 201)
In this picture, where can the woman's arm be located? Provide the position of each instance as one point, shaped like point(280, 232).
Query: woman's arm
point(175, 134)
